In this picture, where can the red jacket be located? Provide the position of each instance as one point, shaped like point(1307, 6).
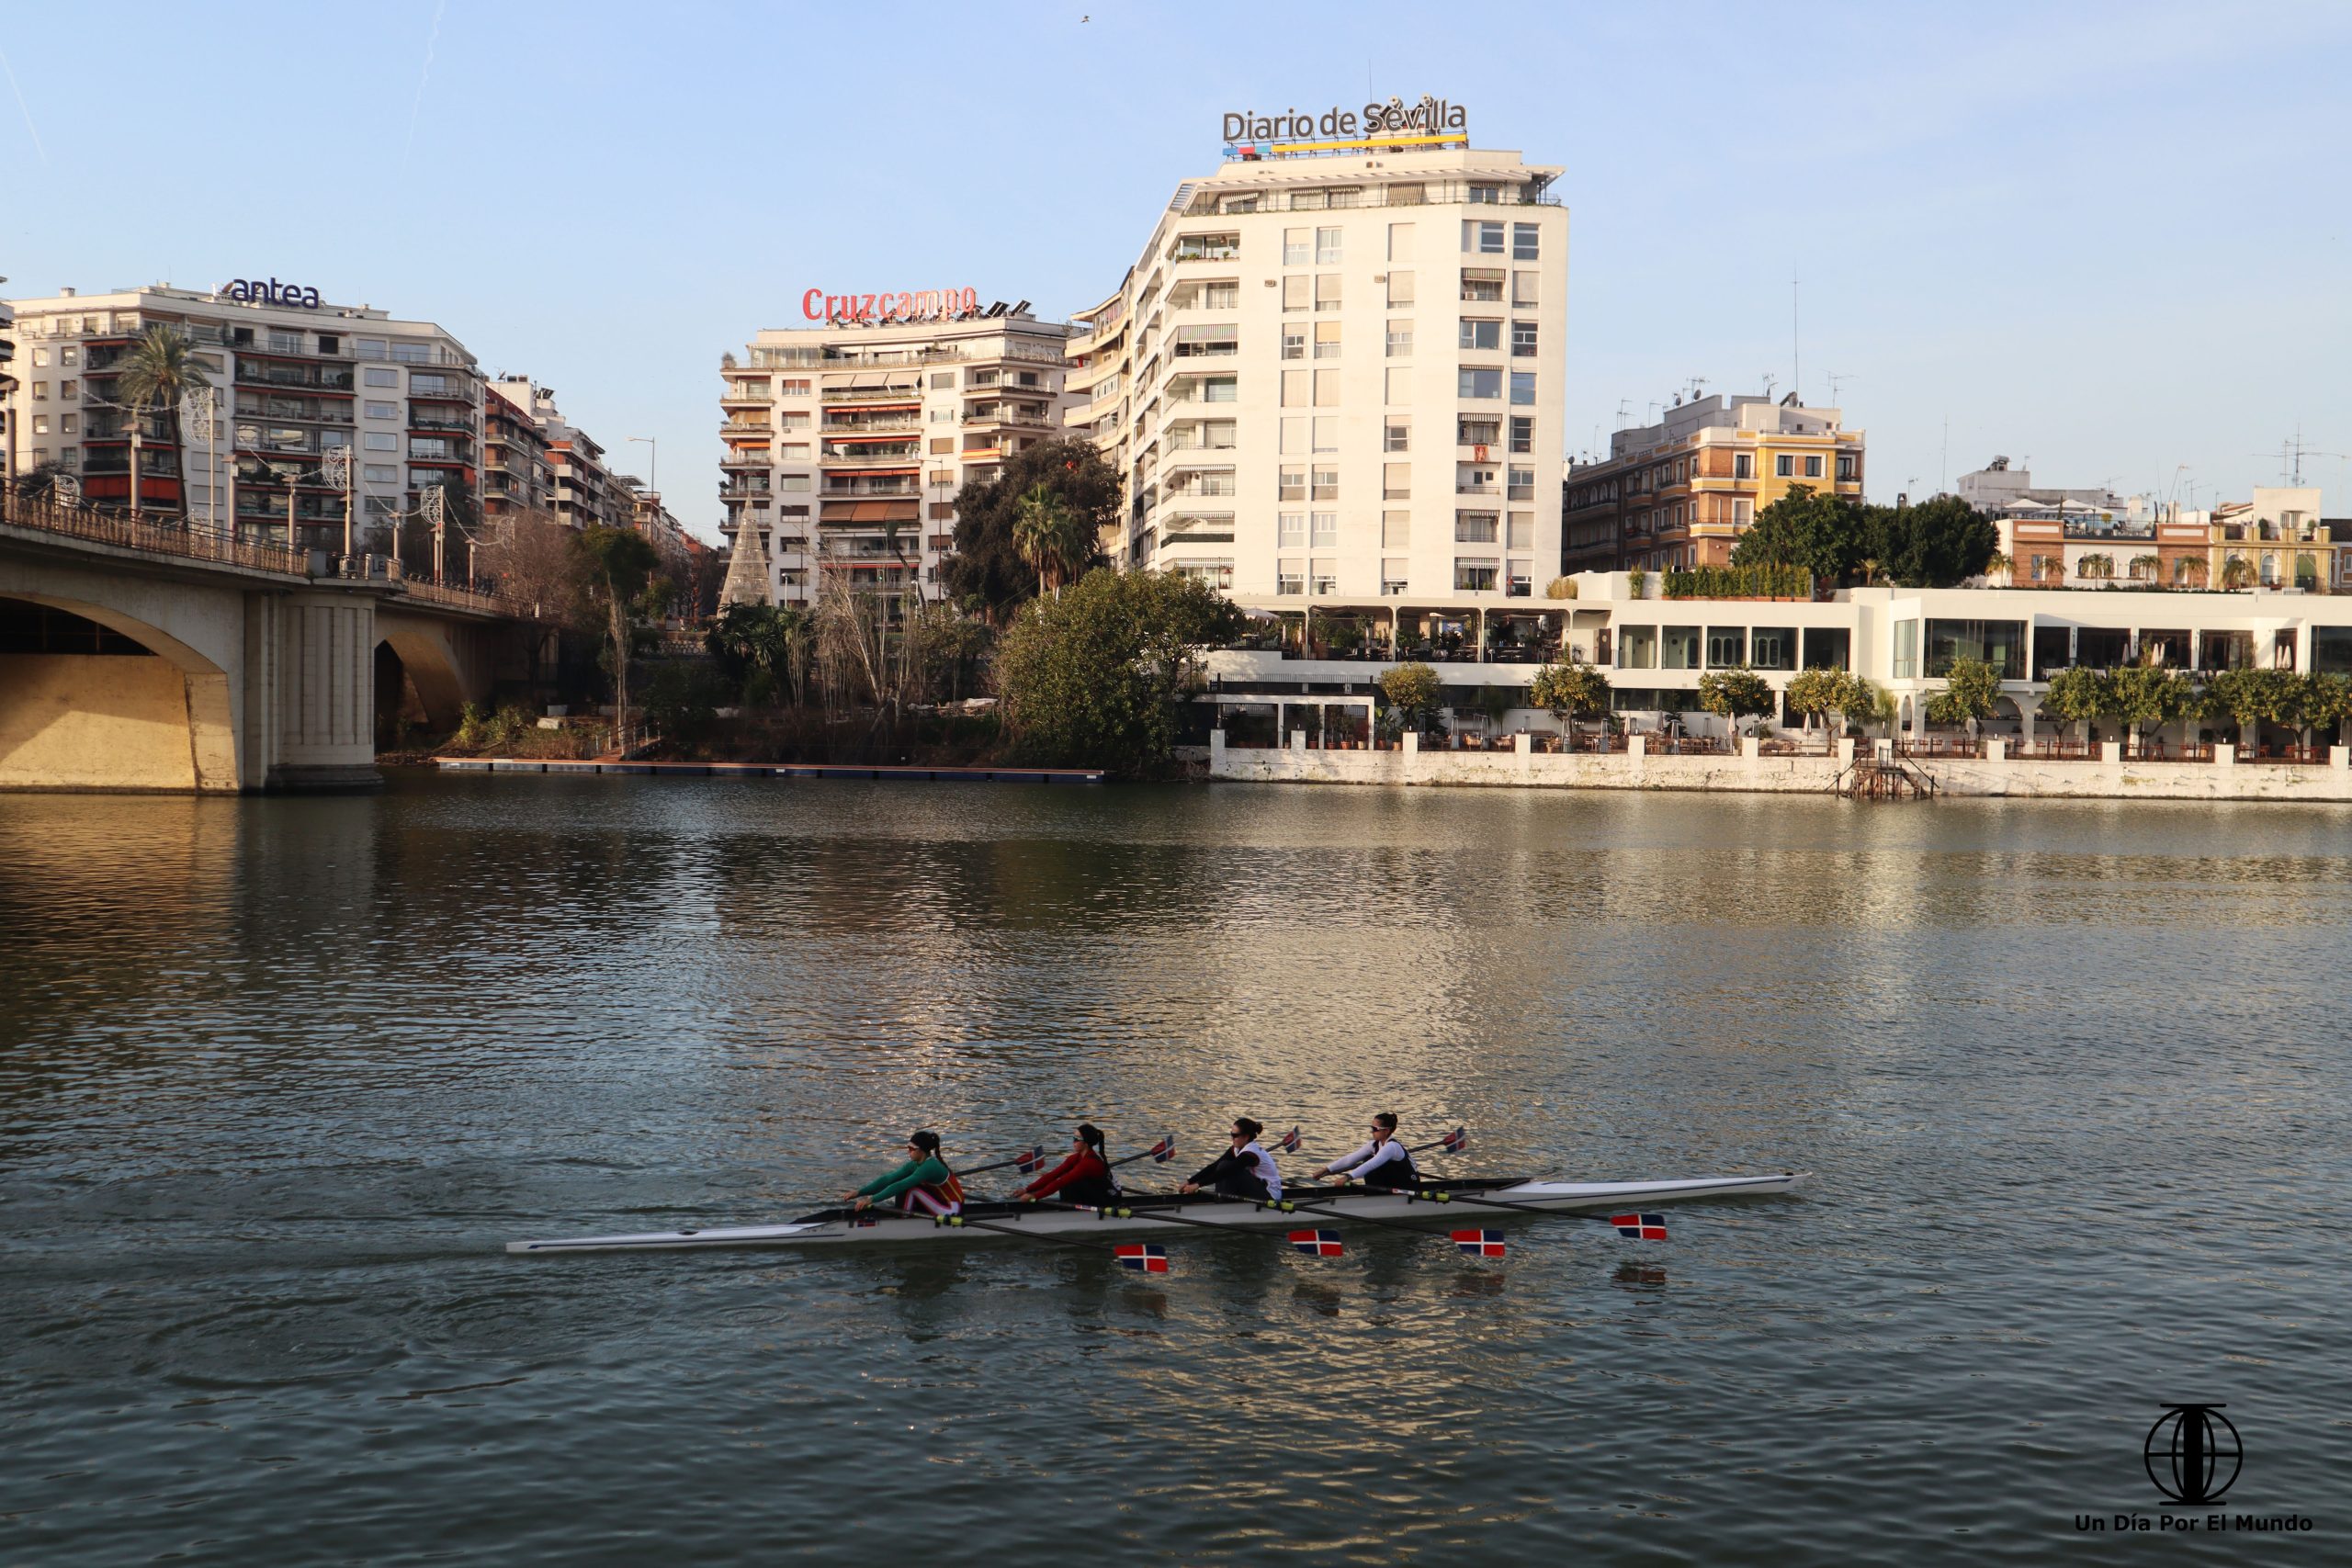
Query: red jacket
point(1085, 1168)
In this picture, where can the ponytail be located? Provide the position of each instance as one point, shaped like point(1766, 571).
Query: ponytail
point(1093, 1136)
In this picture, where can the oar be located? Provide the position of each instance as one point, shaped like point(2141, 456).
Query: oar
point(1028, 1160)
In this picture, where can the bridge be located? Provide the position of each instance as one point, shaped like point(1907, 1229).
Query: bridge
point(147, 655)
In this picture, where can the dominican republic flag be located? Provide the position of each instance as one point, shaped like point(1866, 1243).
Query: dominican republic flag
point(1164, 1150)
point(1454, 1143)
point(1145, 1257)
point(1032, 1161)
point(1318, 1244)
point(1288, 1143)
point(1480, 1244)
point(1640, 1227)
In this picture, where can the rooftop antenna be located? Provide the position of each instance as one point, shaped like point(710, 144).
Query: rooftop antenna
point(1836, 376)
point(1796, 340)
point(1770, 382)
point(2291, 453)
point(1624, 412)
point(1698, 385)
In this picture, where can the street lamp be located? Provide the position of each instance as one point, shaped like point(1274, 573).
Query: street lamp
point(652, 464)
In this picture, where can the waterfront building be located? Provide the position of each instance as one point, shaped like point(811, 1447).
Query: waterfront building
point(516, 476)
point(1679, 492)
point(294, 378)
point(650, 517)
point(1335, 375)
point(7, 385)
point(2093, 537)
point(847, 440)
point(579, 488)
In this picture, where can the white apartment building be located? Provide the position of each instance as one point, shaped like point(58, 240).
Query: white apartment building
point(294, 378)
point(848, 441)
point(1341, 377)
point(580, 487)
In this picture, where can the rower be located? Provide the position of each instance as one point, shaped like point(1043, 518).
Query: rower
point(1083, 1178)
point(1383, 1163)
point(1245, 1170)
point(923, 1186)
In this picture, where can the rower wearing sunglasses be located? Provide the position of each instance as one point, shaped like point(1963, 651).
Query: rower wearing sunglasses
point(1245, 1170)
point(1084, 1178)
point(1382, 1163)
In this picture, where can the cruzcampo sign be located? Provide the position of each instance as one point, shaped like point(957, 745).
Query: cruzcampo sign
point(929, 305)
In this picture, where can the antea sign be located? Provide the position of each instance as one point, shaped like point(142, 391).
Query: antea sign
point(269, 291)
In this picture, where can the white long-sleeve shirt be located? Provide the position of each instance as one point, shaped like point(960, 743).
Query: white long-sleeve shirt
point(1371, 1156)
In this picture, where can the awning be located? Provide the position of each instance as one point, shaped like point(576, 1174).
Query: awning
point(870, 511)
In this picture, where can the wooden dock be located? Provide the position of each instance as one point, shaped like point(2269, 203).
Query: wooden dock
point(776, 771)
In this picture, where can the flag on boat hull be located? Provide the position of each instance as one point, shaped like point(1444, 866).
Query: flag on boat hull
point(1143, 1257)
point(1480, 1243)
point(1318, 1244)
point(1640, 1227)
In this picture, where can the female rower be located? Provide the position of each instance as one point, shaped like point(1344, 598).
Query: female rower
point(923, 1185)
point(1245, 1170)
point(1083, 1178)
point(1382, 1163)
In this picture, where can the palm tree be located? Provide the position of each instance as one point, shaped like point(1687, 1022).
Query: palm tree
point(1998, 563)
point(1049, 536)
point(159, 369)
point(2237, 572)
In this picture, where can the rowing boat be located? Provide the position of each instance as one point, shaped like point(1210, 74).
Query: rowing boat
point(842, 1227)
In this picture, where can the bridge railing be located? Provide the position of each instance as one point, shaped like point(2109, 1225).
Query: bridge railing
point(188, 541)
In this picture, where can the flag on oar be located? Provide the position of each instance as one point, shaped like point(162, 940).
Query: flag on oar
point(1640, 1227)
point(1032, 1161)
point(1164, 1150)
point(1318, 1244)
point(1288, 1143)
point(1454, 1143)
point(1143, 1257)
point(1480, 1244)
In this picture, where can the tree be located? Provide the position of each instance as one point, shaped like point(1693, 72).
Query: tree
point(1856, 699)
point(1814, 693)
point(40, 481)
point(1051, 537)
point(987, 574)
point(2080, 696)
point(1411, 689)
point(619, 564)
point(156, 371)
point(2149, 569)
point(530, 557)
point(1936, 544)
point(1972, 687)
point(2327, 699)
point(1096, 676)
point(2237, 572)
point(1828, 534)
point(1568, 692)
point(770, 640)
point(2097, 567)
point(2252, 697)
point(1736, 694)
point(2147, 694)
point(1998, 564)
point(1493, 702)
point(2197, 570)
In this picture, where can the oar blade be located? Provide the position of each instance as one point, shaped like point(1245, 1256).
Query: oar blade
point(1454, 1143)
point(1318, 1243)
point(1164, 1150)
point(1143, 1256)
point(1032, 1160)
point(1640, 1227)
point(1480, 1243)
point(1288, 1143)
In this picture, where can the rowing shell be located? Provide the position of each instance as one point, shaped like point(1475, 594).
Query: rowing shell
point(882, 1228)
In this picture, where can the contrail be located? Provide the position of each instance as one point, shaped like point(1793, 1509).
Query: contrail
point(24, 106)
point(421, 78)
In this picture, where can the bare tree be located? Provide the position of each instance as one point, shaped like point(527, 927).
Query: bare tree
point(531, 557)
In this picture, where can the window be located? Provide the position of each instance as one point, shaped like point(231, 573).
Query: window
point(1813, 468)
point(1477, 529)
point(1290, 484)
point(383, 410)
point(1481, 238)
point(1519, 579)
point(1398, 386)
point(1487, 335)
point(1906, 650)
point(1289, 578)
point(41, 389)
point(1396, 433)
point(71, 424)
point(1296, 244)
point(1772, 647)
point(1482, 286)
point(68, 389)
point(1401, 288)
point(1479, 383)
point(1826, 647)
point(1523, 433)
point(1475, 576)
point(1523, 340)
point(797, 387)
point(1397, 481)
point(1326, 340)
point(1846, 470)
point(1487, 196)
point(1521, 485)
point(1294, 341)
point(1522, 387)
point(1743, 466)
point(376, 378)
point(2000, 644)
point(1220, 296)
point(1637, 648)
point(1327, 484)
point(1325, 530)
point(938, 416)
point(1400, 241)
point(372, 348)
point(384, 441)
point(1326, 290)
point(1322, 577)
point(1395, 530)
point(1523, 288)
point(380, 473)
point(1400, 339)
point(1526, 242)
point(40, 357)
point(1290, 531)
point(1327, 432)
point(1294, 291)
point(1293, 437)
point(1327, 388)
point(1522, 532)
point(1679, 648)
point(943, 443)
point(1785, 467)
point(943, 476)
point(1393, 580)
point(1726, 646)
point(1327, 247)
point(1220, 390)
point(1297, 387)
point(41, 425)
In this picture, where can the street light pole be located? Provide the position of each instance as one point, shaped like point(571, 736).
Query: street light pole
point(653, 463)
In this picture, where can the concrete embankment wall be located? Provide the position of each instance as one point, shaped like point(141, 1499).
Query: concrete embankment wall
point(1754, 773)
point(91, 721)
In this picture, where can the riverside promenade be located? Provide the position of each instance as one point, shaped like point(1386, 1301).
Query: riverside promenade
point(1749, 769)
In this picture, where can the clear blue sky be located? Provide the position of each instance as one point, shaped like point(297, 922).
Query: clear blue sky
point(2112, 238)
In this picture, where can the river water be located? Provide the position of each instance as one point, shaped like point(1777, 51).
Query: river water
point(279, 1077)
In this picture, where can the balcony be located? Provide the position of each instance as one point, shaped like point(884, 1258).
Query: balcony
point(867, 426)
point(900, 453)
point(448, 392)
point(748, 457)
point(834, 396)
point(310, 377)
point(438, 422)
point(845, 490)
point(739, 427)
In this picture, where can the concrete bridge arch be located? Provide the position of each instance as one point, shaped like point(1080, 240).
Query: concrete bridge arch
point(163, 717)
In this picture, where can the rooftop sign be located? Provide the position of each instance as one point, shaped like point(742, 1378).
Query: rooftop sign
point(930, 305)
point(1433, 122)
point(256, 291)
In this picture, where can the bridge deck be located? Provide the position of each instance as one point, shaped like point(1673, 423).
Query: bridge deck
point(778, 769)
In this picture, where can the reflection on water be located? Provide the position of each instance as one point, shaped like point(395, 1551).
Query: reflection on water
point(279, 1077)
